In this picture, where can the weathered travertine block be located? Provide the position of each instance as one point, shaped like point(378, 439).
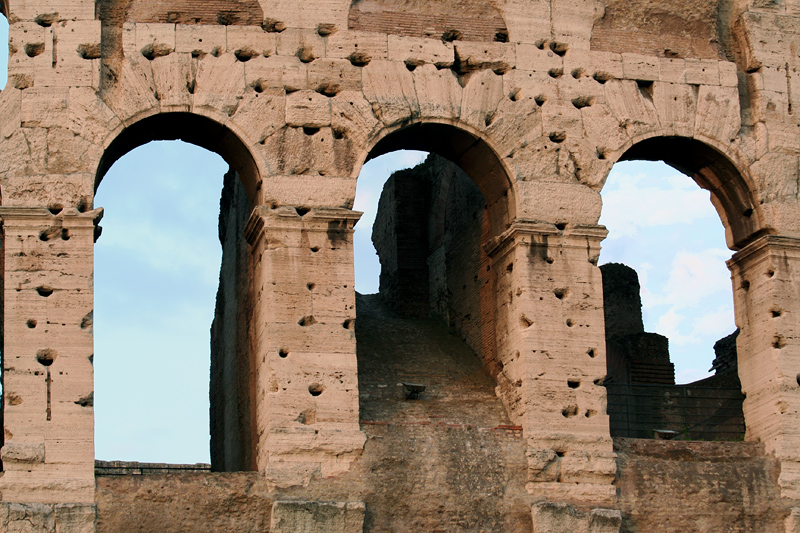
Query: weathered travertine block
point(552, 351)
point(313, 517)
point(48, 420)
point(536, 102)
point(549, 517)
point(307, 397)
point(769, 365)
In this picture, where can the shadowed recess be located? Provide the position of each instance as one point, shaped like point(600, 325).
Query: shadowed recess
point(228, 13)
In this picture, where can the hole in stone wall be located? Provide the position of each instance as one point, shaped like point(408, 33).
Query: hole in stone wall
point(46, 357)
point(31, 323)
point(44, 290)
point(315, 389)
point(573, 383)
point(157, 272)
point(307, 321)
point(283, 353)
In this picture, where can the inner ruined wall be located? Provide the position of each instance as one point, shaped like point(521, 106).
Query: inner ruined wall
point(232, 368)
point(428, 234)
point(632, 355)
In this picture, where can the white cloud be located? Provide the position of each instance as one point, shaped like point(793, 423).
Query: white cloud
point(166, 250)
point(669, 325)
point(632, 205)
point(696, 275)
point(715, 324)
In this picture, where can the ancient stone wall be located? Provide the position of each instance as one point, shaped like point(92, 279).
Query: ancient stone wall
point(428, 234)
point(400, 236)
point(231, 390)
point(535, 114)
point(663, 486)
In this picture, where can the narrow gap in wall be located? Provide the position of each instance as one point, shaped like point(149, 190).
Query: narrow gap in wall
point(3, 79)
point(157, 266)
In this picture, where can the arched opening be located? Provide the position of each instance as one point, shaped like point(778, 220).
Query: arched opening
point(431, 224)
point(670, 333)
point(190, 128)
point(425, 341)
point(712, 171)
point(159, 289)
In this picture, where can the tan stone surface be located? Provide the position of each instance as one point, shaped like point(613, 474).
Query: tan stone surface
point(535, 115)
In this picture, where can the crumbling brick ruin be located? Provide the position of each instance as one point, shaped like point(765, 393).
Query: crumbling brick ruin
point(643, 400)
point(534, 101)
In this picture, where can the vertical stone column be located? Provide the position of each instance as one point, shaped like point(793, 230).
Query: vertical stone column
point(304, 342)
point(767, 305)
point(48, 423)
point(551, 346)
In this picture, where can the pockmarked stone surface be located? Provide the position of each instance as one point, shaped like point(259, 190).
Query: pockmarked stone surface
point(529, 103)
point(317, 517)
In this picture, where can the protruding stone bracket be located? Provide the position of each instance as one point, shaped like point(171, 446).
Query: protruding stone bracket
point(29, 452)
point(537, 233)
point(318, 517)
point(329, 219)
point(36, 217)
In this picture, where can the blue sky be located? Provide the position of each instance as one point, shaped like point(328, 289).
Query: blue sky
point(157, 265)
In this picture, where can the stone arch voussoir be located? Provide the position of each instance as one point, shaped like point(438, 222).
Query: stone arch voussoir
point(721, 169)
point(208, 129)
point(473, 151)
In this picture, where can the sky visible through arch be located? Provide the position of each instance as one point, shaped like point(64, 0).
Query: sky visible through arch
point(3, 51)
point(158, 260)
